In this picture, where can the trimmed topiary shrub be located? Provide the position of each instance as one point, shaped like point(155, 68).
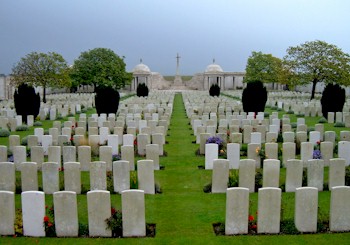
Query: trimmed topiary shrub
point(214, 90)
point(333, 99)
point(4, 132)
point(106, 100)
point(142, 90)
point(27, 102)
point(254, 97)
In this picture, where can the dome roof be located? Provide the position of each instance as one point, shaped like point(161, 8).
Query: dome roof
point(141, 68)
point(213, 68)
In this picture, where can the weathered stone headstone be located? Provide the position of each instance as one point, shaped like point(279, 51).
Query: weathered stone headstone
point(113, 141)
point(7, 176)
point(98, 178)
point(32, 140)
point(72, 180)
point(247, 174)
point(269, 208)
point(288, 152)
point(145, 176)
point(158, 138)
point(343, 151)
point(336, 175)
point(66, 214)
point(7, 213)
point(152, 153)
point(69, 154)
point(315, 173)
point(127, 154)
point(306, 152)
point(29, 176)
point(220, 175)
point(339, 215)
point(329, 136)
point(121, 176)
point(3, 153)
point(271, 150)
point(37, 155)
point(55, 155)
point(237, 211)
point(253, 153)
point(19, 155)
point(106, 156)
point(50, 177)
point(133, 212)
point(142, 141)
point(94, 141)
point(306, 208)
point(99, 209)
point(294, 174)
point(14, 140)
point(128, 139)
point(33, 212)
point(271, 173)
point(39, 132)
point(233, 155)
point(314, 137)
point(84, 157)
point(203, 140)
point(326, 152)
point(211, 153)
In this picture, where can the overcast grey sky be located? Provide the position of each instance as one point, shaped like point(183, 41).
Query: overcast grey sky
point(155, 30)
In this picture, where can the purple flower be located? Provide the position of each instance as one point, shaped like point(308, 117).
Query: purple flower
point(316, 154)
point(215, 140)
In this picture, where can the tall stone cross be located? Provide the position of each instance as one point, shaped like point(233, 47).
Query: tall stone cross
point(177, 63)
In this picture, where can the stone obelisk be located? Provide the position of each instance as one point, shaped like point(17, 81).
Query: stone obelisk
point(177, 80)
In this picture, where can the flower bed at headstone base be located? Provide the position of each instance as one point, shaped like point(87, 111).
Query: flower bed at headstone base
point(287, 227)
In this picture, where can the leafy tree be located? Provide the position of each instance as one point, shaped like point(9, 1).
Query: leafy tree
point(318, 61)
point(41, 69)
point(100, 67)
point(265, 68)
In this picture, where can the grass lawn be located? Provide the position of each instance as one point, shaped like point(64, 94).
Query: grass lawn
point(183, 213)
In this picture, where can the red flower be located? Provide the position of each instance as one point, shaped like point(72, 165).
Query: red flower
point(251, 218)
point(113, 211)
point(254, 226)
point(46, 206)
point(49, 224)
point(46, 219)
point(135, 142)
point(318, 142)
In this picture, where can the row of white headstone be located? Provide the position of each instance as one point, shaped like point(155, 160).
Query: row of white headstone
point(269, 210)
point(233, 150)
point(66, 213)
point(271, 174)
point(72, 176)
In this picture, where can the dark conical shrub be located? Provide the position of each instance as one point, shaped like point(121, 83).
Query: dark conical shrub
point(214, 90)
point(27, 102)
point(106, 100)
point(254, 97)
point(333, 99)
point(142, 90)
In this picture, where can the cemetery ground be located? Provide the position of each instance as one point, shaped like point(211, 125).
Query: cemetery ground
point(183, 213)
